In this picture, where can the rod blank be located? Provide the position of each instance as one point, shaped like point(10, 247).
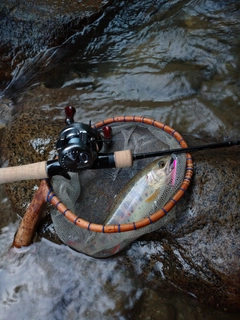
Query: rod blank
point(185, 150)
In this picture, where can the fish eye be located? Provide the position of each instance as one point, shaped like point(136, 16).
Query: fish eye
point(161, 164)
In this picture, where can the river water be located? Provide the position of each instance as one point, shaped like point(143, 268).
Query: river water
point(175, 61)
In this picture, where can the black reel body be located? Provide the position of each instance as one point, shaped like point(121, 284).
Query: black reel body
point(78, 147)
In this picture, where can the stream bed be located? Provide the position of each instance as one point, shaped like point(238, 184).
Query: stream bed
point(175, 61)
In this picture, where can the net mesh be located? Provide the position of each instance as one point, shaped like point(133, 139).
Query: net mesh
point(94, 195)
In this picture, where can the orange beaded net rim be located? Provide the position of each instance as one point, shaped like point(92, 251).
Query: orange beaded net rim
point(68, 214)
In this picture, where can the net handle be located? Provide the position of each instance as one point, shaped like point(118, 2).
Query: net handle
point(26, 230)
point(68, 214)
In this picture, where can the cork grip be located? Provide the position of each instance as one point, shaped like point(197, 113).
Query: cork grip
point(123, 158)
point(25, 172)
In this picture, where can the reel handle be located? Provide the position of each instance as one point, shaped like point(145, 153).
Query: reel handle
point(70, 112)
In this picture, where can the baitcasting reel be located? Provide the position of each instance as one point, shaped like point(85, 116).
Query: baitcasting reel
point(78, 145)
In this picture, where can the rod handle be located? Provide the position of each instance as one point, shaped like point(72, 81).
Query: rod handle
point(25, 172)
point(123, 159)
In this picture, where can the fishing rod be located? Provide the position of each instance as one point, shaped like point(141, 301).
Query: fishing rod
point(78, 149)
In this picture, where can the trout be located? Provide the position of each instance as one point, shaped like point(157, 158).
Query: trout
point(138, 199)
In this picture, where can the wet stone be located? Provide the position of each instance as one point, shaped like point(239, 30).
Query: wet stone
point(28, 139)
point(28, 27)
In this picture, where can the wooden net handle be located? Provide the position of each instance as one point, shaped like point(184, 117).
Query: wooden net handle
point(26, 172)
point(29, 223)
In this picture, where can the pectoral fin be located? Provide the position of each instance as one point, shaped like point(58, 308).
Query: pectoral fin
point(153, 196)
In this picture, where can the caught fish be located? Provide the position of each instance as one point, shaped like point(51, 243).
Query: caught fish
point(138, 199)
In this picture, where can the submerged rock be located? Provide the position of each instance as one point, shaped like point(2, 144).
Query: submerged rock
point(30, 27)
point(198, 252)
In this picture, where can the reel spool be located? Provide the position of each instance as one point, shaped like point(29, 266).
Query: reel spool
point(78, 145)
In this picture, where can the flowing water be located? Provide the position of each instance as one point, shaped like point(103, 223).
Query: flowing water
point(176, 61)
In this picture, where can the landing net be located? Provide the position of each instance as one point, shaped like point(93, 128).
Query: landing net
point(85, 216)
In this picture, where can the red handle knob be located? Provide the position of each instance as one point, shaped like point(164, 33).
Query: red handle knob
point(107, 131)
point(70, 112)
